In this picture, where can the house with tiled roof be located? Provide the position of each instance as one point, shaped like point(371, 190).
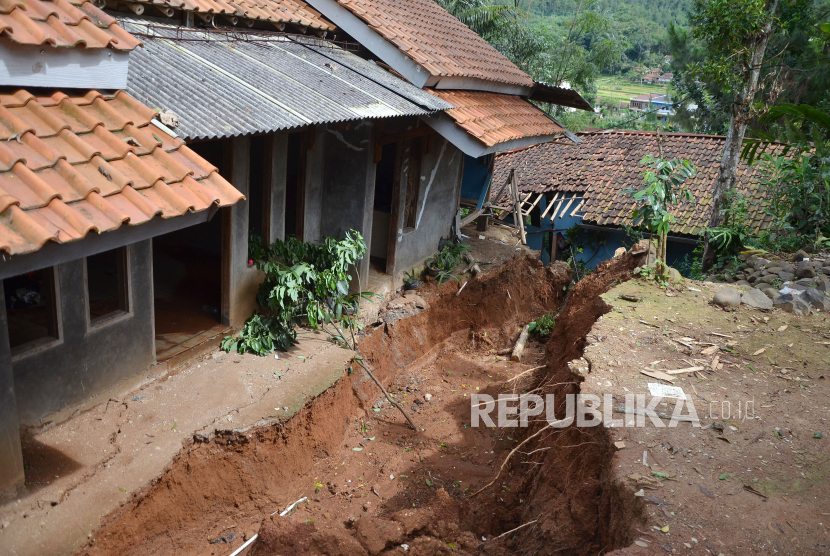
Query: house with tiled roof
point(88, 175)
point(585, 186)
point(421, 41)
point(144, 142)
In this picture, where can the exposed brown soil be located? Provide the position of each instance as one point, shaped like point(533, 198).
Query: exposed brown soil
point(374, 484)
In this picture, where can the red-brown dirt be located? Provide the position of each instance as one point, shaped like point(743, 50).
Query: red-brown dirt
point(372, 483)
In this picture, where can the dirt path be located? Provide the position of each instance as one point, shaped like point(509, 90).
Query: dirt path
point(82, 469)
point(758, 482)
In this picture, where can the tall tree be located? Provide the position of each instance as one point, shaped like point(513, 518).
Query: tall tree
point(736, 34)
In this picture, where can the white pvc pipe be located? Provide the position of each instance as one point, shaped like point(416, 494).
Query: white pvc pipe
point(244, 546)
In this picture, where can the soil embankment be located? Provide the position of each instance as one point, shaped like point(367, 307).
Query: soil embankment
point(372, 483)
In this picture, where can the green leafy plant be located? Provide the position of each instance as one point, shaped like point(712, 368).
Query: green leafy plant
point(735, 230)
point(445, 261)
point(305, 283)
point(543, 326)
point(664, 190)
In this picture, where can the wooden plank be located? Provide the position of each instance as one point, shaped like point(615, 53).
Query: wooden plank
point(556, 210)
point(550, 205)
point(517, 212)
point(565, 210)
point(467, 220)
point(535, 203)
point(579, 206)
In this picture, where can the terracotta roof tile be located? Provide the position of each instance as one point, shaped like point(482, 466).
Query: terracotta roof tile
point(295, 12)
point(71, 165)
point(607, 163)
point(436, 40)
point(62, 24)
point(493, 118)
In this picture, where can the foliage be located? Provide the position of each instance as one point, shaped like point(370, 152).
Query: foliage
point(261, 335)
point(728, 29)
point(445, 261)
point(479, 15)
point(304, 283)
point(632, 235)
point(735, 230)
point(798, 191)
point(652, 274)
point(579, 239)
point(543, 326)
point(795, 71)
point(664, 188)
point(692, 267)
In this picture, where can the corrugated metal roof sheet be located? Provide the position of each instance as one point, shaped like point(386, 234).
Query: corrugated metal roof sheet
point(90, 163)
point(222, 84)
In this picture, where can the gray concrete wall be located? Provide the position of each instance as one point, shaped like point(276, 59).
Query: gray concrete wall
point(316, 163)
point(11, 457)
point(348, 185)
point(89, 361)
point(240, 282)
point(275, 186)
point(441, 171)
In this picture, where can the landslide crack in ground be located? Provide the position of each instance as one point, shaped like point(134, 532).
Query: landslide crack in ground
point(372, 483)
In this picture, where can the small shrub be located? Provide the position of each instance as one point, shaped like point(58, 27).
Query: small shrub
point(543, 326)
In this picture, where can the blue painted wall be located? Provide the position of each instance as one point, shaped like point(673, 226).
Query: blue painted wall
point(598, 245)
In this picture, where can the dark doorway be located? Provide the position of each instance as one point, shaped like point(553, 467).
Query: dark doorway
point(187, 277)
point(294, 177)
point(255, 186)
point(187, 286)
point(381, 216)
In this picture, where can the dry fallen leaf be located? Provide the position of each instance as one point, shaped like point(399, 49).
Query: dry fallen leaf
point(710, 350)
point(782, 328)
point(760, 351)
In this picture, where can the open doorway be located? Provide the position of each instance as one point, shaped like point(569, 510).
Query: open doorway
point(187, 277)
point(187, 287)
point(382, 213)
point(294, 178)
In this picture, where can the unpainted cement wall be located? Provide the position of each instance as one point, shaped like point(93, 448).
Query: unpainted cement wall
point(89, 360)
point(441, 171)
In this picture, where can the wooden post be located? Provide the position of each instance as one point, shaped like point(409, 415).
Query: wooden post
point(517, 207)
point(520, 345)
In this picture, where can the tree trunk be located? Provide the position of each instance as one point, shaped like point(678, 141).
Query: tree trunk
point(741, 113)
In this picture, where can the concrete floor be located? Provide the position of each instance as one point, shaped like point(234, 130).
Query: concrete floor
point(82, 469)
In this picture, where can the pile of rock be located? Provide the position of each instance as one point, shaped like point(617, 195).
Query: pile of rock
point(796, 287)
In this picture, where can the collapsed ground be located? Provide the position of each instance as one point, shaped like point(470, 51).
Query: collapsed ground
point(568, 492)
point(356, 464)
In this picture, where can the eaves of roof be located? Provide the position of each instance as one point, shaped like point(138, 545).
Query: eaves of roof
point(90, 163)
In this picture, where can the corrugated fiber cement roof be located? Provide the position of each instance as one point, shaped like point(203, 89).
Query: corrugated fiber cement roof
point(223, 84)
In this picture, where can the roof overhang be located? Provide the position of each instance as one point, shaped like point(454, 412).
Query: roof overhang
point(469, 145)
point(560, 96)
point(476, 84)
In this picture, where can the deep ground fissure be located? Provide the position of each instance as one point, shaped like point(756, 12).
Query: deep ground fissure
point(371, 483)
